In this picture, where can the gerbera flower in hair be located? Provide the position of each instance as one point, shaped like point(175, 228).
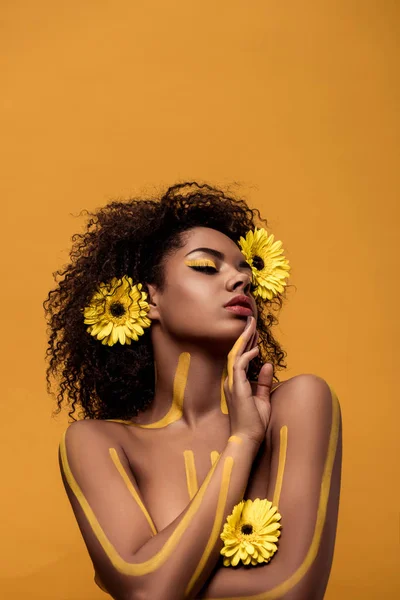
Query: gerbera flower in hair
point(270, 268)
point(117, 312)
point(250, 533)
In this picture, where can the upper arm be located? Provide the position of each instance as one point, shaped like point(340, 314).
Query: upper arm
point(304, 483)
point(105, 499)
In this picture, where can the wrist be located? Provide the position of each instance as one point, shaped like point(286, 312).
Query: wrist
point(245, 441)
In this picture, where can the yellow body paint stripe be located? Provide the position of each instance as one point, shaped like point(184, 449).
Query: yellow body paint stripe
point(224, 405)
point(281, 589)
point(176, 409)
point(231, 359)
point(191, 476)
point(214, 456)
point(281, 465)
point(223, 494)
point(116, 460)
point(117, 561)
point(236, 439)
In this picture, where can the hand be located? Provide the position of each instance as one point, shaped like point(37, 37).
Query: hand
point(249, 414)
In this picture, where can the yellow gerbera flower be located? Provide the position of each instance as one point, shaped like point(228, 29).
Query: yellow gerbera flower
point(270, 268)
point(250, 533)
point(117, 312)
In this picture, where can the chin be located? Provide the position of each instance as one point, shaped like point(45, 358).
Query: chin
point(231, 329)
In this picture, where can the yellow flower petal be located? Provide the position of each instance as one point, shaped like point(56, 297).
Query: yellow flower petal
point(235, 560)
point(114, 336)
point(110, 328)
point(259, 243)
point(105, 331)
point(121, 335)
point(249, 547)
point(255, 547)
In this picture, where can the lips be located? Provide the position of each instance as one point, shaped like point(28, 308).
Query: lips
point(240, 300)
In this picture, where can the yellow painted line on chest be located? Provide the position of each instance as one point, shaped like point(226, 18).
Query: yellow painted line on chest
point(116, 460)
point(191, 475)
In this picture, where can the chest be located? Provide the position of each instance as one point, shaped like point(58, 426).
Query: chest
point(170, 466)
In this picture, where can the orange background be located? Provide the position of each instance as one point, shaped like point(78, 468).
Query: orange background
point(297, 103)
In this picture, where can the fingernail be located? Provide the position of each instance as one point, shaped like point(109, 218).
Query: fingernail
point(248, 323)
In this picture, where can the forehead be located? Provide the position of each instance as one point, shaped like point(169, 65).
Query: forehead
point(205, 237)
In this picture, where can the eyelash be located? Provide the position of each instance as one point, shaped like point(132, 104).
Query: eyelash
point(206, 269)
point(205, 265)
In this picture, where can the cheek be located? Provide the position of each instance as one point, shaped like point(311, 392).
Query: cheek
point(187, 306)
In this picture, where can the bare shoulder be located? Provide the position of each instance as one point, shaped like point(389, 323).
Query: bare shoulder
point(300, 392)
point(86, 430)
point(304, 394)
point(296, 380)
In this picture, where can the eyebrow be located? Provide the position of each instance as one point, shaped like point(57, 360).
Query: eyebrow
point(219, 255)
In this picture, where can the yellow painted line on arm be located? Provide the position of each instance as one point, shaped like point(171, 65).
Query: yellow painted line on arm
point(223, 494)
point(284, 587)
point(115, 558)
point(236, 439)
point(283, 434)
point(214, 456)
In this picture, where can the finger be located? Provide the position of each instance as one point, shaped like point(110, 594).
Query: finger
point(257, 338)
point(253, 345)
point(238, 349)
point(227, 391)
point(241, 384)
point(250, 341)
point(241, 365)
point(245, 358)
point(248, 332)
point(264, 383)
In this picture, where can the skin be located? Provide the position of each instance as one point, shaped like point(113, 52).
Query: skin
point(189, 316)
point(196, 342)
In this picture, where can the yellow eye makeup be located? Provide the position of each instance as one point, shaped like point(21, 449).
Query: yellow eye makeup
point(200, 262)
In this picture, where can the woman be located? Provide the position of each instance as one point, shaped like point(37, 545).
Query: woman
point(189, 475)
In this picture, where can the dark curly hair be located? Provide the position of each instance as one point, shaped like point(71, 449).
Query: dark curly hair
point(133, 237)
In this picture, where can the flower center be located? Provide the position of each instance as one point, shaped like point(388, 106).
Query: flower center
point(258, 262)
point(247, 529)
point(117, 309)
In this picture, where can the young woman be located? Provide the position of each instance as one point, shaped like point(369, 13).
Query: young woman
point(192, 471)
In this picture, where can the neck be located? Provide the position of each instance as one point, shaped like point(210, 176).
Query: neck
point(189, 383)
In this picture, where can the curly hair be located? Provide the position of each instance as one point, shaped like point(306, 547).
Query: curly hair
point(133, 237)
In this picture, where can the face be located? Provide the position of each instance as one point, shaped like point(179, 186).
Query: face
point(200, 279)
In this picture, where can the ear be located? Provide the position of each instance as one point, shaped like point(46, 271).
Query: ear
point(152, 299)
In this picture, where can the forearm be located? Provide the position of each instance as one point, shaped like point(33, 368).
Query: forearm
point(187, 550)
point(312, 454)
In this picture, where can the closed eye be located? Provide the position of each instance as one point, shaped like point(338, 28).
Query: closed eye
point(202, 264)
point(205, 269)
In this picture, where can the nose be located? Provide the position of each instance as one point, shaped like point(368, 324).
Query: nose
point(240, 282)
